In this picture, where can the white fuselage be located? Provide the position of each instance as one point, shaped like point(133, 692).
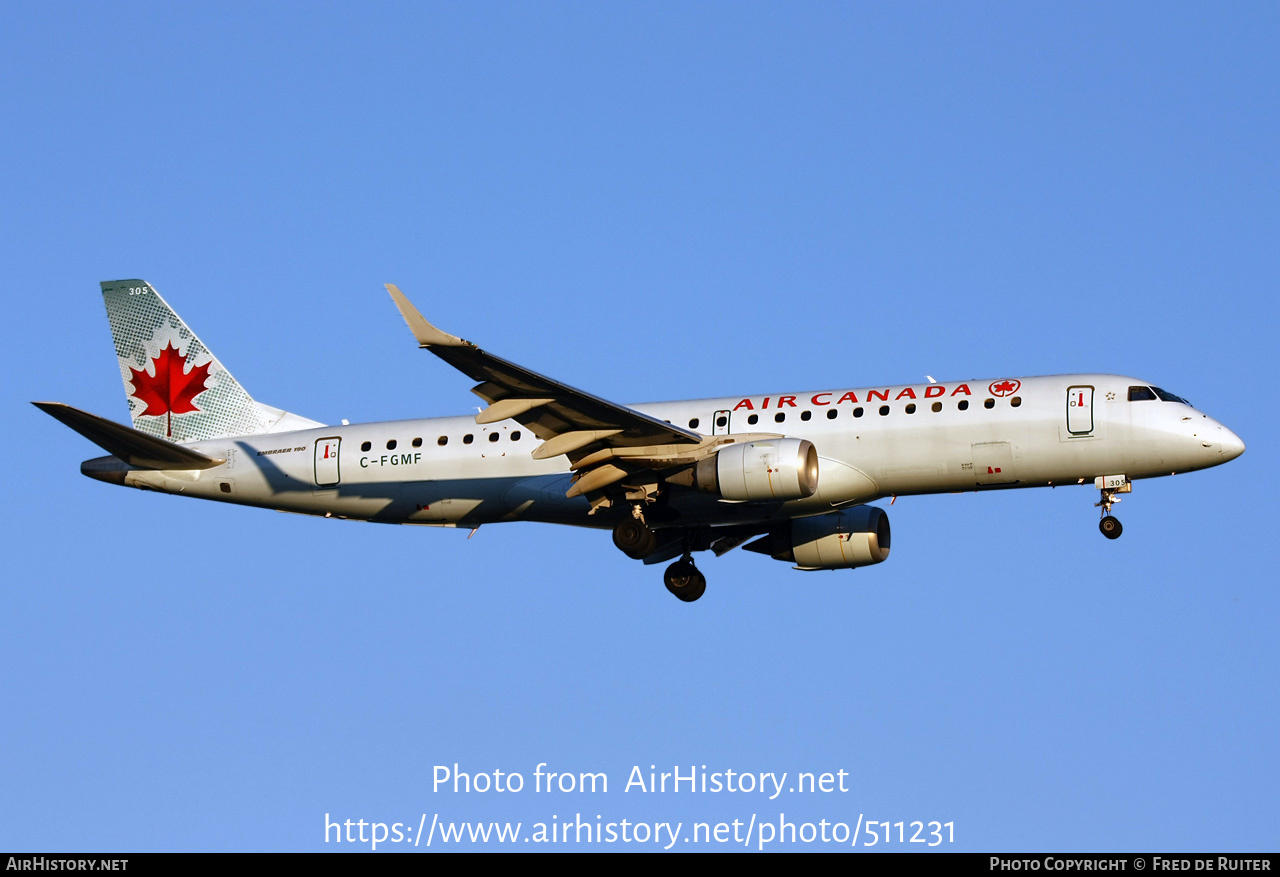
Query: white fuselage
point(872, 442)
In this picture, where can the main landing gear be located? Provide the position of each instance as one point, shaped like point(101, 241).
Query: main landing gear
point(636, 540)
point(683, 579)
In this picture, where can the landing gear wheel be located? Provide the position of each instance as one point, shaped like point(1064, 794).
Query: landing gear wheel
point(1110, 527)
point(634, 539)
point(683, 579)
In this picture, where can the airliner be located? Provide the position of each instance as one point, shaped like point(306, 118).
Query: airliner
point(789, 475)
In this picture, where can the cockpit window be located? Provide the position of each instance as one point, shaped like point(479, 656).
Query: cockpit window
point(1166, 396)
point(1141, 394)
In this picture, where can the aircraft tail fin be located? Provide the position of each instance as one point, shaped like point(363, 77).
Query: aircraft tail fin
point(133, 447)
point(176, 388)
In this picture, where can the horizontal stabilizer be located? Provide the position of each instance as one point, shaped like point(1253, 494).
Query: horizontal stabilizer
point(134, 447)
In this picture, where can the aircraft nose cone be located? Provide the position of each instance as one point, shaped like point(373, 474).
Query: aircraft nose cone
point(1231, 445)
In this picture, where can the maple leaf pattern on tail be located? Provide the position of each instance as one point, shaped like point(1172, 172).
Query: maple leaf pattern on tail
point(172, 389)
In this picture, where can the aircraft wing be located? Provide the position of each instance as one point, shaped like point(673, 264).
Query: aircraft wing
point(605, 441)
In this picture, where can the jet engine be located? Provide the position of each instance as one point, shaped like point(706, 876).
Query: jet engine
point(761, 471)
point(839, 540)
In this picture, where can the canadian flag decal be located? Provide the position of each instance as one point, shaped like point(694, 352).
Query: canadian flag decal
point(172, 389)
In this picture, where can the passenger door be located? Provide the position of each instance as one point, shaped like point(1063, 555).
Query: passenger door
point(326, 462)
point(1080, 410)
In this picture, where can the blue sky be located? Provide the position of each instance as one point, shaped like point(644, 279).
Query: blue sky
point(648, 201)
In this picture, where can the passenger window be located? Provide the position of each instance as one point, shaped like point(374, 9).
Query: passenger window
point(468, 439)
point(857, 412)
point(515, 436)
point(937, 406)
point(442, 441)
point(721, 422)
point(417, 442)
point(391, 445)
point(963, 405)
point(1015, 401)
point(884, 410)
point(805, 415)
point(493, 436)
point(364, 446)
point(779, 417)
point(832, 414)
point(1141, 394)
point(990, 403)
point(753, 419)
point(693, 424)
point(911, 408)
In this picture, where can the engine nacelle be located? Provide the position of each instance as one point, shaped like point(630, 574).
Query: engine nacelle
point(761, 471)
point(839, 540)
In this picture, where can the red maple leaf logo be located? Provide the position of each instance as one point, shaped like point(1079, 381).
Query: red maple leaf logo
point(1005, 387)
point(172, 389)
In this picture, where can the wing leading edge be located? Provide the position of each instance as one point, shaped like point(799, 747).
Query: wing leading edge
point(607, 444)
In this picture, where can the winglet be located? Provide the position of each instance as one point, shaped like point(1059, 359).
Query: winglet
point(427, 334)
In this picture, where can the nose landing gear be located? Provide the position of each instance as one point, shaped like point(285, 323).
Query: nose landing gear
point(1110, 527)
point(1110, 485)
